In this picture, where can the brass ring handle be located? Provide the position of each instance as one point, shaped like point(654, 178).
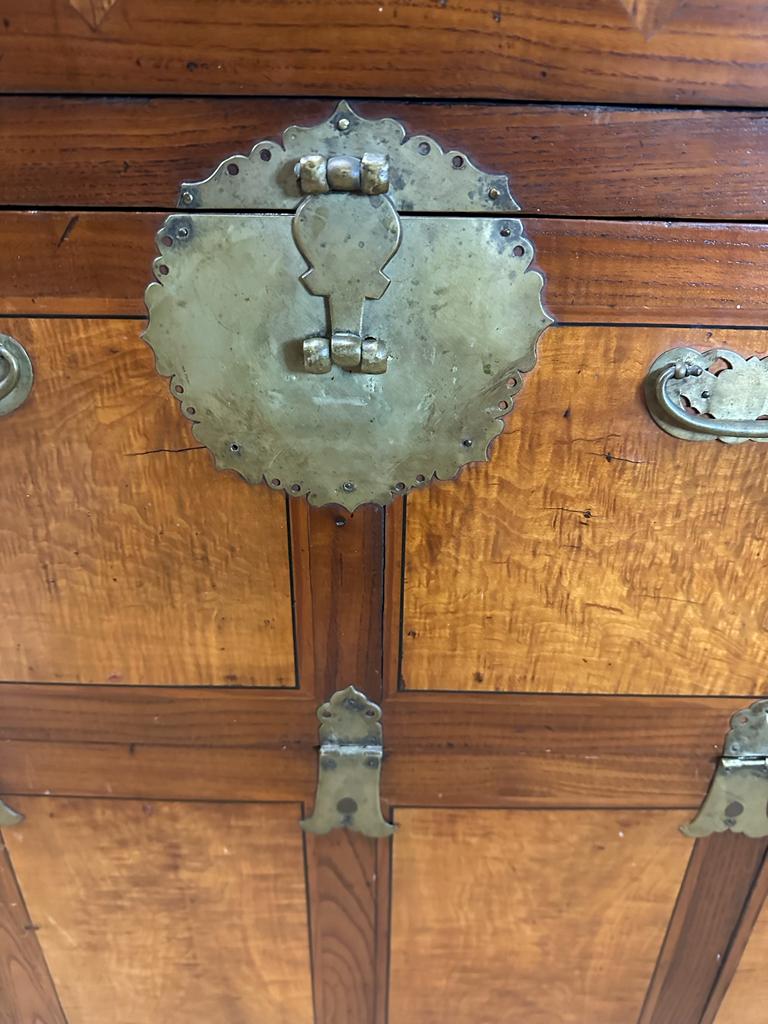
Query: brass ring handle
point(727, 402)
point(16, 385)
point(11, 378)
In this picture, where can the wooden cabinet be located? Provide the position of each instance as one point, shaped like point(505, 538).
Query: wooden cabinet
point(557, 638)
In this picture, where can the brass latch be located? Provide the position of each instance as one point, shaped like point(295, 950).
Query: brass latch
point(350, 767)
point(347, 313)
point(737, 800)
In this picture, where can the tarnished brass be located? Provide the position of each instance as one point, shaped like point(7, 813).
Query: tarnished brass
point(350, 767)
point(716, 395)
point(16, 375)
point(9, 817)
point(346, 243)
point(737, 800)
point(357, 346)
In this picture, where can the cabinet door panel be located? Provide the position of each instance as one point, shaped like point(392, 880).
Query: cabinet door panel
point(594, 553)
point(530, 915)
point(167, 911)
point(127, 558)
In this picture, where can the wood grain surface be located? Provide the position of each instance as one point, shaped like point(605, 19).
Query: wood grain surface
point(595, 50)
point(127, 558)
point(273, 719)
point(705, 923)
point(745, 1001)
point(472, 778)
point(349, 897)
point(594, 553)
point(753, 900)
point(156, 911)
point(27, 994)
point(156, 772)
point(338, 561)
point(693, 164)
point(98, 264)
point(536, 916)
point(465, 750)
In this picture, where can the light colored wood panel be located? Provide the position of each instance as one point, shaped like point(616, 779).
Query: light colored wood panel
point(530, 915)
point(617, 51)
point(747, 998)
point(594, 553)
point(27, 995)
point(157, 912)
point(127, 557)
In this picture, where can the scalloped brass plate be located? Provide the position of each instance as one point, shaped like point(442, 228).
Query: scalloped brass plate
point(360, 346)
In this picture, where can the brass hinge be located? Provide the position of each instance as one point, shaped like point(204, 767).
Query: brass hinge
point(348, 780)
point(737, 800)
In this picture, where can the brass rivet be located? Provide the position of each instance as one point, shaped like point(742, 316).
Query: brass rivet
point(493, 193)
point(187, 198)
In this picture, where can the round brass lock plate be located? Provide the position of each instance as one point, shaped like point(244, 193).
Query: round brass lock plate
point(361, 345)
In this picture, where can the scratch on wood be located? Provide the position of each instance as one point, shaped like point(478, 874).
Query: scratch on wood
point(71, 225)
point(169, 451)
point(586, 512)
point(610, 457)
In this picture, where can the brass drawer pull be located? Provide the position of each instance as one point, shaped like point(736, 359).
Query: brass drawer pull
point(726, 402)
point(17, 376)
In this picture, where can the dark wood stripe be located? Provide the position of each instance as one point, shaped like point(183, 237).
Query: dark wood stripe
point(696, 52)
point(738, 944)
point(27, 992)
point(340, 589)
point(442, 749)
point(707, 927)
point(569, 161)
point(537, 725)
point(135, 771)
point(98, 264)
point(157, 716)
point(421, 780)
point(338, 570)
point(501, 724)
point(344, 887)
point(394, 541)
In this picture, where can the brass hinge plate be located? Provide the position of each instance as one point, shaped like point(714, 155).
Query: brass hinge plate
point(349, 773)
point(737, 800)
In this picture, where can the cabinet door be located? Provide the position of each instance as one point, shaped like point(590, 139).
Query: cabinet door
point(126, 559)
point(156, 910)
point(557, 638)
